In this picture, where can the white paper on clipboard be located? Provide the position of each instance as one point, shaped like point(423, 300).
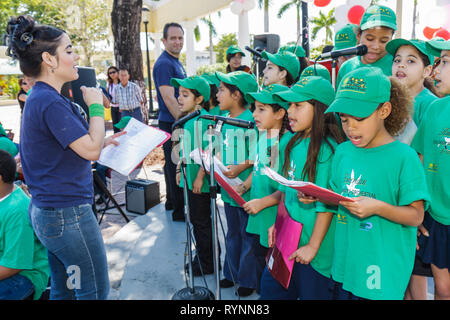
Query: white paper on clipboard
point(133, 147)
point(219, 167)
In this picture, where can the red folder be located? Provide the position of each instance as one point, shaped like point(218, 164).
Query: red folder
point(233, 194)
point(287, 237)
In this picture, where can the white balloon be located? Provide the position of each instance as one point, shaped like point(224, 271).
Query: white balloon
point(236, 8)
point(364, 3)
point(248, 5)
point(435, 18)
point(340, 13)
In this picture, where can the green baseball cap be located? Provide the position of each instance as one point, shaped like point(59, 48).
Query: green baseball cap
point(266, 95)
point(436, 45)
point(122, 123)
point(211, 78)
point(297, 50)
point(234, 49)
point(378, 16)
point(316, 70)
point(361, 91)
point(308, 88)
point(245, 81)
point(193, 82)
point(286, 60)
point(345, 37)
point(393, 45)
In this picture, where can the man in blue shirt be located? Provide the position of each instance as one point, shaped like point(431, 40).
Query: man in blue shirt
point(166, 67)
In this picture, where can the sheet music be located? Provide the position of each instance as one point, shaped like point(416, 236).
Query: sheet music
point(219, 167)
point(134, 146)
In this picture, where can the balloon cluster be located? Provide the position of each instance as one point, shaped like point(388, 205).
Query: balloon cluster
point(437, 21)
point(239, 6)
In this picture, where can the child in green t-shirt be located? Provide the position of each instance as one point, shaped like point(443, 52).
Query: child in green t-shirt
point(376, 233)
point(194, 95)
point(272, 121)
point(24, 269)
point(432, 142)
point(307, 157)
point(412, 66)
point(240, 259)
point(376, 29)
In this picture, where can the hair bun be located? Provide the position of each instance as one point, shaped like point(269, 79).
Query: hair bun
point(19, 35)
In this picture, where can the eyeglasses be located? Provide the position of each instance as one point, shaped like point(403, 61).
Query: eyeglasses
point(24, 83)
point(112, 72)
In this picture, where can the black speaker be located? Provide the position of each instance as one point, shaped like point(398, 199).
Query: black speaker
point(71, 90)
point(269, 42)
point(141, 195)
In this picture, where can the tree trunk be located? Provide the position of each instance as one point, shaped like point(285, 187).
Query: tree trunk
point(413, 34)
point(125, 24)
point(399, 14)
point(266, 16)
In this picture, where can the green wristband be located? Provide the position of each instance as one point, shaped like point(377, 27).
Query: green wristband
point(96, 110)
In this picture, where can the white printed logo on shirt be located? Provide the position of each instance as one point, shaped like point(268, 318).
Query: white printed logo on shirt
point(351, 188)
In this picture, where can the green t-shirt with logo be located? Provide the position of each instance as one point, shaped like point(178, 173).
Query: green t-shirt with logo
point(384, 64)
point(374, 257)
point(194, 135)
point(421, 103)
point(19, 247)
point(307, 213)
point(263, 186)
point(432, 140)
point(236, 149)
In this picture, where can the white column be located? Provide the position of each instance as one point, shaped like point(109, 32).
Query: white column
point(244, 36)
point(157, 36)
point(190, 46)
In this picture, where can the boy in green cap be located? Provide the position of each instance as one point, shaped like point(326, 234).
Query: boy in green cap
point(432, 142)
point(240, 259)
point(376, 29)
point(376, 233)
point(281, 68)
point(234, 56)
point(345, 38)
point(24, 269)
point(316, 70)
point(308, 156)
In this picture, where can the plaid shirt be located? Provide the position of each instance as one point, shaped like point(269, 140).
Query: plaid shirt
point(129, 97)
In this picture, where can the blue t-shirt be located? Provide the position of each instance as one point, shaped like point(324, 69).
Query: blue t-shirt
point(57, 177)
point(166, 68)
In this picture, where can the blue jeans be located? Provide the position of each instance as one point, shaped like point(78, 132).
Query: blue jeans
point(240, 262)
point(76, 253)
point(16, 287)
point(135, 113)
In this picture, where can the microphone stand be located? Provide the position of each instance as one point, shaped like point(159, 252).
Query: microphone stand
point(191, 292)
point(333, 73)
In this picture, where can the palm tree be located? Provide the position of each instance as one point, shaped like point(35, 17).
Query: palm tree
point(212, 33)
point(324, 22)
point(265, 4)
point(287, 6)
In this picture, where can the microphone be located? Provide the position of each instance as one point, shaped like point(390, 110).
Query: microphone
point(253, 51)
point(185, 119)
point(231, 121)
point(358, 50)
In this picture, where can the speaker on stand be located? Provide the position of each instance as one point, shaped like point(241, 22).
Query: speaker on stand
point(269, 42)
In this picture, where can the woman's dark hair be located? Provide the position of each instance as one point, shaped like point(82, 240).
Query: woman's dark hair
point(27, 41)
point(233, 89)
point(289, 78)
point(7, 167)
point(213, 94)
point(324, 128)
point(205, 103)
point(109, 77)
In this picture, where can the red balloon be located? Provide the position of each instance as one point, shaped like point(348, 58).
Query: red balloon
point(442, 33)
point(355, 14)
point(429, 32)
point(322, 3)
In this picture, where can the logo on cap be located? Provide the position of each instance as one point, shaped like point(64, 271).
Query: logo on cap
point(342, 37)
point(380, 10)
point(354, 84)
point(302, 82)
